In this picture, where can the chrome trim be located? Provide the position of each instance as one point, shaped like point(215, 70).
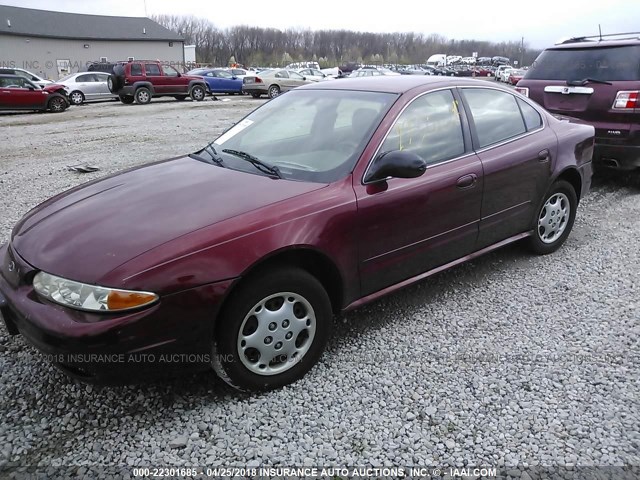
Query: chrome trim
point(613, 107)
point(568, 90)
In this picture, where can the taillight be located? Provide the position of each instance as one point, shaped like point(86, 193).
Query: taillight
point(523, 90)
point(626, 100)
point(258, 80)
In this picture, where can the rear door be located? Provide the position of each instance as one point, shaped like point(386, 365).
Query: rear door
point(154, 75)
point(102, 89)
point(517, 154)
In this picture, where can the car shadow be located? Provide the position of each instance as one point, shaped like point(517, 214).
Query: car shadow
point(614, 179)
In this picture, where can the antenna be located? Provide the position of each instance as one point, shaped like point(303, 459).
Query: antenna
point(600, 31)
point(145, 7)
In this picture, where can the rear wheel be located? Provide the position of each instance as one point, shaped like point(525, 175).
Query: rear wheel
point(142, 96)
point(554, 219)
point(272, 330)
point(198, 93)
point(76, 97)
point(274, 91)
point(57, 104)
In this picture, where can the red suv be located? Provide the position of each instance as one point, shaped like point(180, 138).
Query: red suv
point(19, 93)
point(597, 80)
point(141, 80)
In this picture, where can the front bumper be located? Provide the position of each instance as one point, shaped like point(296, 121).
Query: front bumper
point(173, 335)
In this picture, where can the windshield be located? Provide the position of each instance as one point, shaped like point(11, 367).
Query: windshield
point(605, 63)
point(309, 135)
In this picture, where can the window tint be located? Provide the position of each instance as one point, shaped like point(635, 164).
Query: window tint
point(152, 69)
point(169, 71)
point(136, 69)
point(282, 74)
point(532, 119)
point(605, 63)
point(85, 78)
point(223, 74)
point(496, 115)
point(429, 127)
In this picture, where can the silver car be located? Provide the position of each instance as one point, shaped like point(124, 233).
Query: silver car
point(272, 82)
point(87, 86)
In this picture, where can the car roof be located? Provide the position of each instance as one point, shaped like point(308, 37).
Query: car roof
point(580, 44)
point(397, 83)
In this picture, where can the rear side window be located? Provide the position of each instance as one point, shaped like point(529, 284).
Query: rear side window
point(136, 69)
point(601, 63)
point(532, 118)
point(495, 113)
point(85, 78)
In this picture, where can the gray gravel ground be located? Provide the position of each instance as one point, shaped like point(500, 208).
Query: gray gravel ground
point(508, 360)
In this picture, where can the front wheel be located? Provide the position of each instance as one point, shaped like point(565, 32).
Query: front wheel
point(554, 219)
point(57, 104)
point(198, 93)
point(76, 97)
point(274, 91)
point(272, 330)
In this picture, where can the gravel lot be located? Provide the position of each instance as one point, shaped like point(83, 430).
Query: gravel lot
point(507, 360)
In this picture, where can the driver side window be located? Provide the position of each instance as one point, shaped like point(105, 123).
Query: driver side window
point(429, 127)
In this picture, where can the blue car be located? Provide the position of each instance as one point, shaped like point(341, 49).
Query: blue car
point(219, 81)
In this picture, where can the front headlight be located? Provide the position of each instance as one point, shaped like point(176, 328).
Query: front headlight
point(89, 297)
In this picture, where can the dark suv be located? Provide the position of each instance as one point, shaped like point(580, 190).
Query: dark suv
point(597, 80)
point(141, 80)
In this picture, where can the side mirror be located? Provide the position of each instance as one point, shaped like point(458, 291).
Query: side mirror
point(304, 78)
point(397, 164)
point(234, 78)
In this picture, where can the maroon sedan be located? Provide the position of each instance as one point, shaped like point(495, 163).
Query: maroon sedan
point(19, 93)
point(323, 199)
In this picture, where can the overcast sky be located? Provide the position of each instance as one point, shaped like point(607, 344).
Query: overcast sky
point(540, 22)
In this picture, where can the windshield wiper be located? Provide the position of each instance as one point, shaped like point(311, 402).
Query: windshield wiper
point(584, 81)
point(214, 157)
point(256, 162)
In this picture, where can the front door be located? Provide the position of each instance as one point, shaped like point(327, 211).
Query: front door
point(409, 226)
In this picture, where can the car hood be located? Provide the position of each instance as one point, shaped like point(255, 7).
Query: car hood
point(52, 87)
point(86, 232)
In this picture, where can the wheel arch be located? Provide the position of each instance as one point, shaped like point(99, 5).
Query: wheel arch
point(306, 258)
point(148, 85)
point(572, 176)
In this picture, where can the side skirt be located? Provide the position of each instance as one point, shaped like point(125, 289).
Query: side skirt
point(417, 278)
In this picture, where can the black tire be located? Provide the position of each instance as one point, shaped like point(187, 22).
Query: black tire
point(57, 103)
point(76, 97)
point(142, 96)
point(227, 360)
point(198, 93)
point(255, 95)
point(544, 240)
point(127, 99)
point(274, 91)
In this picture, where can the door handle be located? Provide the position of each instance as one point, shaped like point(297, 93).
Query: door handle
point(467, 181)
point(543, 155)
